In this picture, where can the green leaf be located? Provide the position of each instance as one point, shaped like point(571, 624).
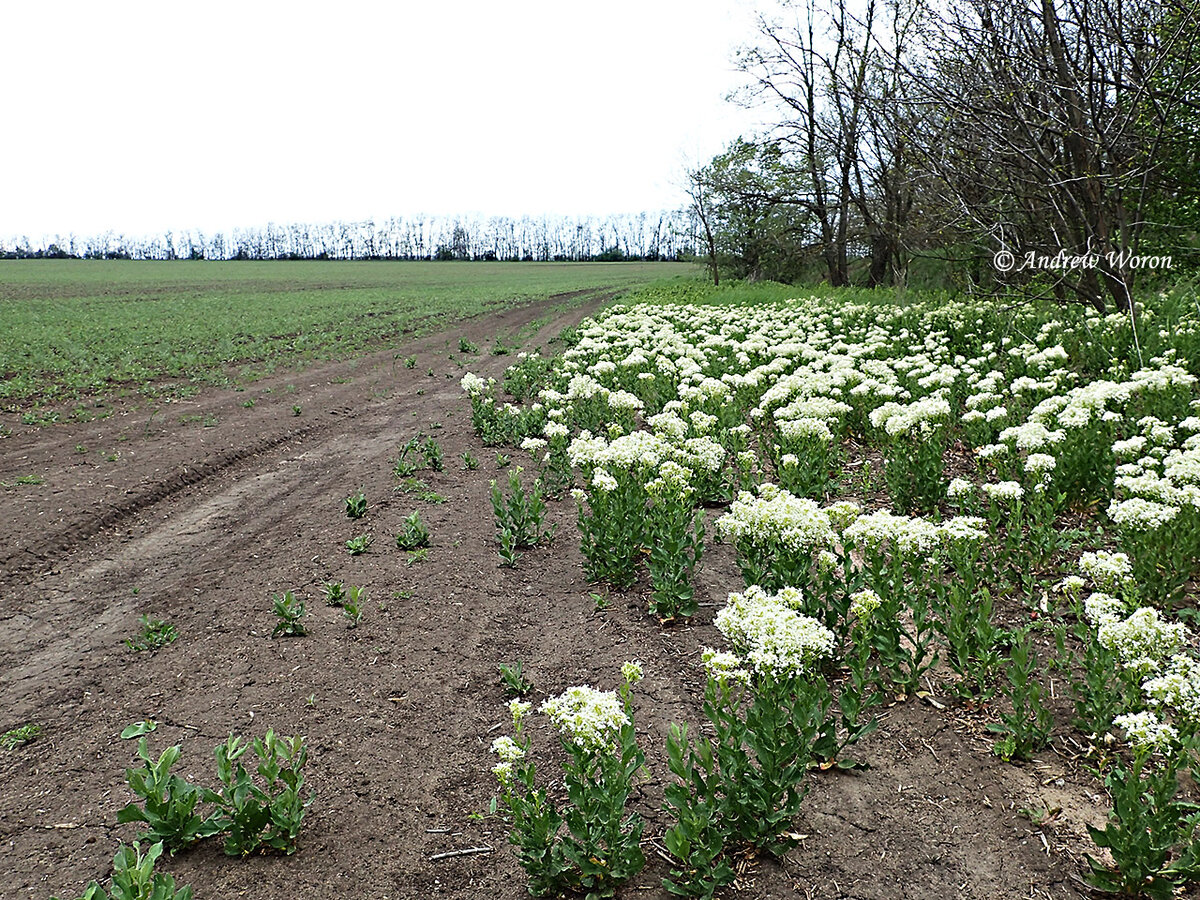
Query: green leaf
point(137, 729)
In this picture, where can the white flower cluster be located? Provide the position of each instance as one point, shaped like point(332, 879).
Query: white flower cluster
point(770, 635)
point(1144, 731)
point(919, 418)
point(1108, 571)
point(904, 535)
point(1139, 514)
point(776, 516)
point(724, 667)
point(587, 717)
point(1143, 640)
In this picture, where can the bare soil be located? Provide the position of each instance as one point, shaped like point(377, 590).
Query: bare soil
point(198, 511)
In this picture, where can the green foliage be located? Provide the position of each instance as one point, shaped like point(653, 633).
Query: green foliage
point(466, 346)
point(356, 505)
point(1151, 834)
point(470, 461)
point(697, 838)
point(675, 537)
point(168, 803)
point(414, 534)
point(512, 677)
point(611, 526)
point(360, 544)
point(264, 813)
point(290, 611)
point(155, 634)
point(335, 593)
point(353, 604)
point(134, 878)
point(410, 362)
point(520, 514)
point(19, 737)
point(1026, 728)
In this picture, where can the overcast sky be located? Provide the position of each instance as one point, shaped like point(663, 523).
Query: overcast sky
point(142, 117)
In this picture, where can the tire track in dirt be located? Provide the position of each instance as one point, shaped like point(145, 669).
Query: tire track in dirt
point(41, 547)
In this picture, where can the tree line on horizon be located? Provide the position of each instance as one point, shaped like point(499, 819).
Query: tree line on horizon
point(666, 235)
point(914, 139)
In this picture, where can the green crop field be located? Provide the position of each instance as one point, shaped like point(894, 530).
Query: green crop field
point(70, 328)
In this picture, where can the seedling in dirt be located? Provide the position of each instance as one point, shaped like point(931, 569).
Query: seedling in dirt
point(26, 479)
point(255, 817)
point(79, 448)
point(600, 600)
point(134, 878)
point(499, 348)
point(359, 545)
point(414, 534)
point(433, 452)
point(410, 362)
point(465, 346)
point(502, 460)
point(335, 593)
point(248, 403)
point(430, 373)
point(168, 802)
point(154, 635)
point(417, 556)
point(352, 607)
point(469, 462)
point(356, 505)
point(512, 678)
point(311, 700)
point(210, 421)
point(19, 737)
point(290, 611)
point(296, 409)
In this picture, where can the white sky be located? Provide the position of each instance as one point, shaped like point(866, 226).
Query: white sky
point(146, 116)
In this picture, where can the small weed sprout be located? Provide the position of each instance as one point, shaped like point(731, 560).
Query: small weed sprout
point(356, 505)
point(335, 593)
point(290, 612)
point(19, 737)
point(415, 533)
point(512, 678)
point(352, 607)
point(503, 460)
point(410, 362)
point(154, 635)
point(469, 461)
point(296, 410)
point(418, 556)
point(466, 346)
point(433, 454)
point(359, 545)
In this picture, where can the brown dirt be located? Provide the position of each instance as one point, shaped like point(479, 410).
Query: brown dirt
point(200, 526)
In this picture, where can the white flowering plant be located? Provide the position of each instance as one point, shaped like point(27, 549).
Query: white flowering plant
point(1163, 544)
point(913, 439)
point(777, 536)
point(590, 844)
